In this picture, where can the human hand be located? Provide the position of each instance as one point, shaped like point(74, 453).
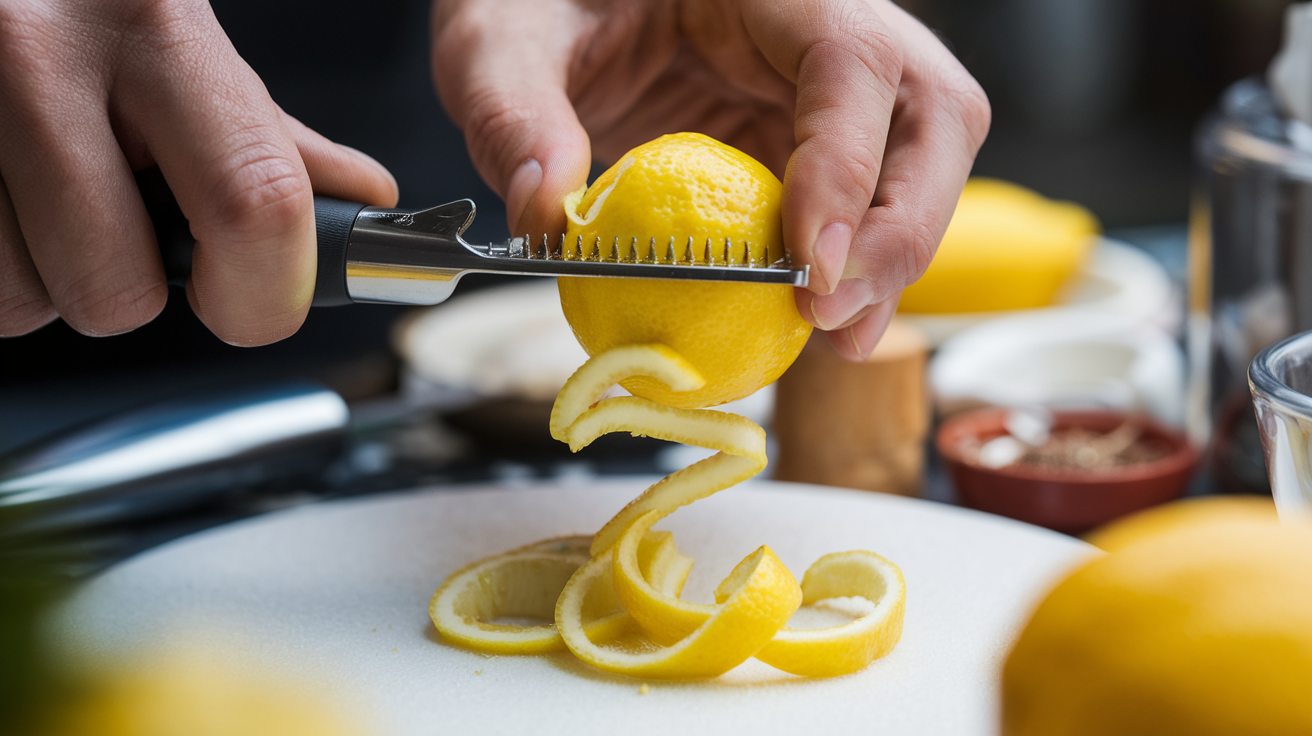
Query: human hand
point(92, 90)
point(872, 123)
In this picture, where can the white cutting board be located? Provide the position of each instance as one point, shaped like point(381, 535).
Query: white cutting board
point(338, 592)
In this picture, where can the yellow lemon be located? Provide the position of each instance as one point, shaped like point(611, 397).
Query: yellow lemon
point(1186, 513)
point(198, 693)
point(1205, 629)
point(693, 194)
point(1006, 248)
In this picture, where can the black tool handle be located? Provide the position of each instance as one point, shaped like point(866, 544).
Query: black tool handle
point(333, 219)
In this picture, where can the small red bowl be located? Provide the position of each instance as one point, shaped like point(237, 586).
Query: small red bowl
point(1069, 501)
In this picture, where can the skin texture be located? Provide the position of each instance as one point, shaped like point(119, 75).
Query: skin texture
point(91, 91)
point(871, 123)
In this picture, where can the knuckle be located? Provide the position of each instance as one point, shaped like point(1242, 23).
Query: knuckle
point(160, 26)
point(852, 181)
point(921, 242)
point(858, 31)
point(262, 192)
point(880, 52)
point(846, 154)
point(977, 114)
point(859, 172)
point(955, 92)
point(969, 102)
point(151, 16)
point(493, 125)
point(456, 22)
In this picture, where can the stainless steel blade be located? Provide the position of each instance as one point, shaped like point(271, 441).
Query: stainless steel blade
point(417, 257)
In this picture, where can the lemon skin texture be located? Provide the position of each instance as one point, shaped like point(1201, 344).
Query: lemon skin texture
point(1183, 514)
point(740, 337)
point(1203, 630)
point(1006, 248)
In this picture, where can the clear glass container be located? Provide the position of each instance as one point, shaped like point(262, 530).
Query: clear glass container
point(1280, 379)
point(1250, 268)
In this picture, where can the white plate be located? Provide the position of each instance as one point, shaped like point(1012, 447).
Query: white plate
point(341, 590)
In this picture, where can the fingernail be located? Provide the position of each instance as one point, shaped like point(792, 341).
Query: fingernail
point(861, 354)
point(832, 310)
point(830, 253)
point(372, 162)
point(524, 184)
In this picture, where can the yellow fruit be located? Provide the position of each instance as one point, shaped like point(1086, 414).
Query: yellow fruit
point(198, 692)
point(1186, 513)
point(620, 611)
point(739, 337)
point(520, 584)
point(846, 648)
point(761, 599)
point(1204, 630)
point(1006, 248)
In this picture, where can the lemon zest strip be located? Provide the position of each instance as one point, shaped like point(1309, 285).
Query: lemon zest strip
point(591, 381)
point(620, 609)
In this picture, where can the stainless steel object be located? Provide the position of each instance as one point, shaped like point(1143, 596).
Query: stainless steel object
point(395, 256)
point(374, 254)
point(170, 455)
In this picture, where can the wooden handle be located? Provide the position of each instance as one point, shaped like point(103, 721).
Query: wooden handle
point(856, 425)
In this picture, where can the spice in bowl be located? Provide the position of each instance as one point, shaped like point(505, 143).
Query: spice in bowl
point(1068, 471)
point(1076, 449)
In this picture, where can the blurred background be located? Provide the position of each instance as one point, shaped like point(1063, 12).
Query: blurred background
point(1094, 101)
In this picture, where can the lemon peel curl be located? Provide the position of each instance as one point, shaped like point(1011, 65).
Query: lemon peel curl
point(614, 598)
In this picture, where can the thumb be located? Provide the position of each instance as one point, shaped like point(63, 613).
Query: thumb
point(520, 126)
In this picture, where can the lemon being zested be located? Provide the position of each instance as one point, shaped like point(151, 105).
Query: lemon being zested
point(677, 346)
point(740, 337)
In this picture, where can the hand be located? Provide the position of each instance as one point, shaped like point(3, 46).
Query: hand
point(91, 90)
point(873, 124)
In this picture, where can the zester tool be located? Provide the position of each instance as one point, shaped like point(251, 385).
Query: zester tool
point(393, 256)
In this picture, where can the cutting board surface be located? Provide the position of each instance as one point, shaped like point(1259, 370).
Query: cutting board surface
point(338, 593)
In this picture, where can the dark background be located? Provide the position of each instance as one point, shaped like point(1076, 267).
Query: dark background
point(1094, 101)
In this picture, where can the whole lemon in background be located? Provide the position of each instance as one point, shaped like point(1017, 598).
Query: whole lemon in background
point(1185, 513)
point(198, 692)
point(1204, 629)
point(1007, 247)
point(740, 337)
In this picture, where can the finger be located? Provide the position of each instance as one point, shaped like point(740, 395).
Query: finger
point(923, 175)
point(939, 123)
point(225, 149)
point(856, 341)
point(89, 237)
point(72, 192)
point(847, 67)
point(520, 127)
point(24, 304)
point(340, 171)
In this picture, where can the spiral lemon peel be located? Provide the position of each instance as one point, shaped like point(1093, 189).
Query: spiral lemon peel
point(614, 598)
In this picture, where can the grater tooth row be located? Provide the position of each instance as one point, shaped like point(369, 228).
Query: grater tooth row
point(711, 252)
